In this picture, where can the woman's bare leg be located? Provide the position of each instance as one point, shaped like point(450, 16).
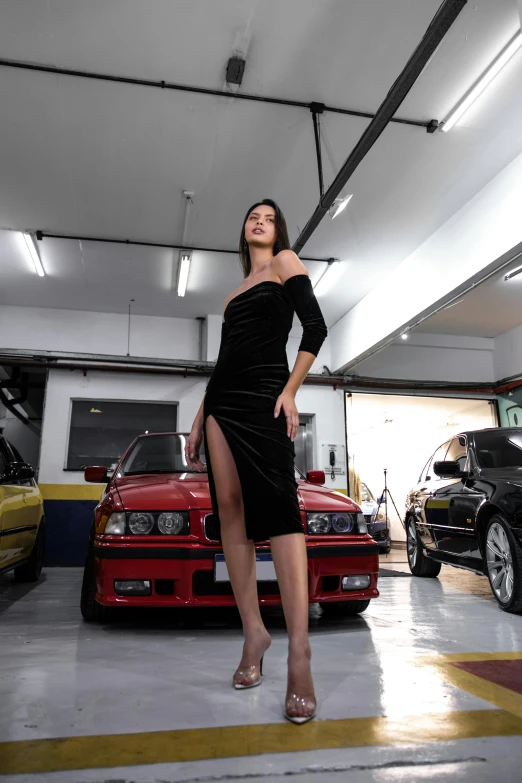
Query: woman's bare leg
point(289, 554)
point(238, 549)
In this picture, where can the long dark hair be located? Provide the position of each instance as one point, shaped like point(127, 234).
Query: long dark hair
point(281, 241)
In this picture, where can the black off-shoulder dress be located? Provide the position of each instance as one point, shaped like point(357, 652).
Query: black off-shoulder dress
point(250, 373)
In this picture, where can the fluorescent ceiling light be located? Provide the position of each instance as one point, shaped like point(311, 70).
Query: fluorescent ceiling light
point(338, 206)
point(404, 336)
point(480, 85)
point(32, 249)
point(513, 273)
point(328, 278)
point(452, 304)
point(183, 271)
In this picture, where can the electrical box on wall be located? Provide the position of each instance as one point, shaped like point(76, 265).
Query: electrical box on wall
point(333, 459)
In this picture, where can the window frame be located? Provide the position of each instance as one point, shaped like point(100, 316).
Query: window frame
point(96, 400)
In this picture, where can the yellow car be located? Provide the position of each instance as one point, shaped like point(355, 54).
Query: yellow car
point(22, 533)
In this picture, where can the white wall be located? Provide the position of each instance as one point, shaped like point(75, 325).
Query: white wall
point(508, 354)
point(45, 329)
point(488, 226)
point(433, 357)
point(63, 386)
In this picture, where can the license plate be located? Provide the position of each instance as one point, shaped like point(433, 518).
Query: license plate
point(265, 571)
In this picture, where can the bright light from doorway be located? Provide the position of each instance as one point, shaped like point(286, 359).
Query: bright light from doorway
point(32, 250)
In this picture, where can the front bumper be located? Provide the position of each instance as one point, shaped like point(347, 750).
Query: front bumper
point(184, 575)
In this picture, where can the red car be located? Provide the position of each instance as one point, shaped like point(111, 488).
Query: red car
point(154, 541)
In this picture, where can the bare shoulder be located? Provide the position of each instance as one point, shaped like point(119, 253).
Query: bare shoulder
point(287, 264)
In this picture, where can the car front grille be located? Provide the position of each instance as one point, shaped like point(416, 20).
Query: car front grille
point(211, 528)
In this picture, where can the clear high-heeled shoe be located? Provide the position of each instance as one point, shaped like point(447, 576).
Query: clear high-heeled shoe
point(251, 676)
point(308, 702)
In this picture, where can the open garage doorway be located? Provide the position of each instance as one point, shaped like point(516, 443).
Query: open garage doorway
point(400, 433)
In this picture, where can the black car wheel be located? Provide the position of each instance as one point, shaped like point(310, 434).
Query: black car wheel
point(92, 611)
point(504, 564)
point(30, 571)
point(420, 565)
point(344, 608)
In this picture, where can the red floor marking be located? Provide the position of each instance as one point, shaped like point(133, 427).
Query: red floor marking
point(505, 673)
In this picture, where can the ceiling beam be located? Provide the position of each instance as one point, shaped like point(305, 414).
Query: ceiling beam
point(441, 23)
point(429, 125)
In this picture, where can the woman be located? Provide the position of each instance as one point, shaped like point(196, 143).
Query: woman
point(249, 421)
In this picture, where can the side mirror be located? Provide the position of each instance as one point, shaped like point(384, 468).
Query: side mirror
point(316, 477)
point(20, 471)
point(96, 474)
point(448, 469)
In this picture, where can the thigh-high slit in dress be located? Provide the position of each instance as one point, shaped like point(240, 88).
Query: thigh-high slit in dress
point(250, 373)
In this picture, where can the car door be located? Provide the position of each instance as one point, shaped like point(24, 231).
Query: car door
point(32, 499)
point(422, 495)
point(458, 501)
point(11, 513)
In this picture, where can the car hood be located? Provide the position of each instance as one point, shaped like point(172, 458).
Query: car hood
point(170, 491)
point(191, 491)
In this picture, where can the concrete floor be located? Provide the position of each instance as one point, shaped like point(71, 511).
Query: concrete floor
point(148, 697)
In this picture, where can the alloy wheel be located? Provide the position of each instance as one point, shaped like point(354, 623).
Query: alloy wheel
point(412, 543)
point(499, 563)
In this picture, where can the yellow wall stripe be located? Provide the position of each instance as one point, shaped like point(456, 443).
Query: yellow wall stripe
point(71, 491)
point(159, 747)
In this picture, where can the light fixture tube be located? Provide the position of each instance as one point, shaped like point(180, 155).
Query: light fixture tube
point(328, 278)
point(513, 273)
point(480, 85)
point(338, 205)
point(183, 271)
point(32, 249)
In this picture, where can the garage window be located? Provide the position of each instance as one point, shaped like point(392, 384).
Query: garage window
point(102, 430)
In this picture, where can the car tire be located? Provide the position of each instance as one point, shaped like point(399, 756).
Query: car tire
point(30, 570)
point(344, 608)
point(503, 561)
point(420, 565)
point(92, 611)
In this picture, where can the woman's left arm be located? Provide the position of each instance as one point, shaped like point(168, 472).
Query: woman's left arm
point(298, 287)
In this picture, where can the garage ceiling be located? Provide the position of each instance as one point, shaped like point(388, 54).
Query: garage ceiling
point(92, 158)
point(491, 309)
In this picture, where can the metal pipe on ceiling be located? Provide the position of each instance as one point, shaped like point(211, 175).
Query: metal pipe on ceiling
point(429, 125)
point(40, 235)
point(441, 23)
point(190, 368)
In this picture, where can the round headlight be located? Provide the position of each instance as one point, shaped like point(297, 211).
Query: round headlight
point(318, 523)
point(170, 522)
point(140, 523)
point(342, 523)
point(380, 516)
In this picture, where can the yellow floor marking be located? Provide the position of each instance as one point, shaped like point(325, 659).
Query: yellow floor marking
point(467, 657)
point(501, 697)
point(122, 750)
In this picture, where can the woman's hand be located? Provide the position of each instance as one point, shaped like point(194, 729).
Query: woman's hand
point(286, 401)
point(192, 448)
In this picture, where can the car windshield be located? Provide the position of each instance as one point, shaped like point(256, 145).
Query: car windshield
point(158, 454)
point(366, 495)
point(497, 449)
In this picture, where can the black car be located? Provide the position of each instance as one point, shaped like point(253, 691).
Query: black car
point(466, 511)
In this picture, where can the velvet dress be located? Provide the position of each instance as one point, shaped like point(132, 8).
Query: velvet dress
point(250, 373)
